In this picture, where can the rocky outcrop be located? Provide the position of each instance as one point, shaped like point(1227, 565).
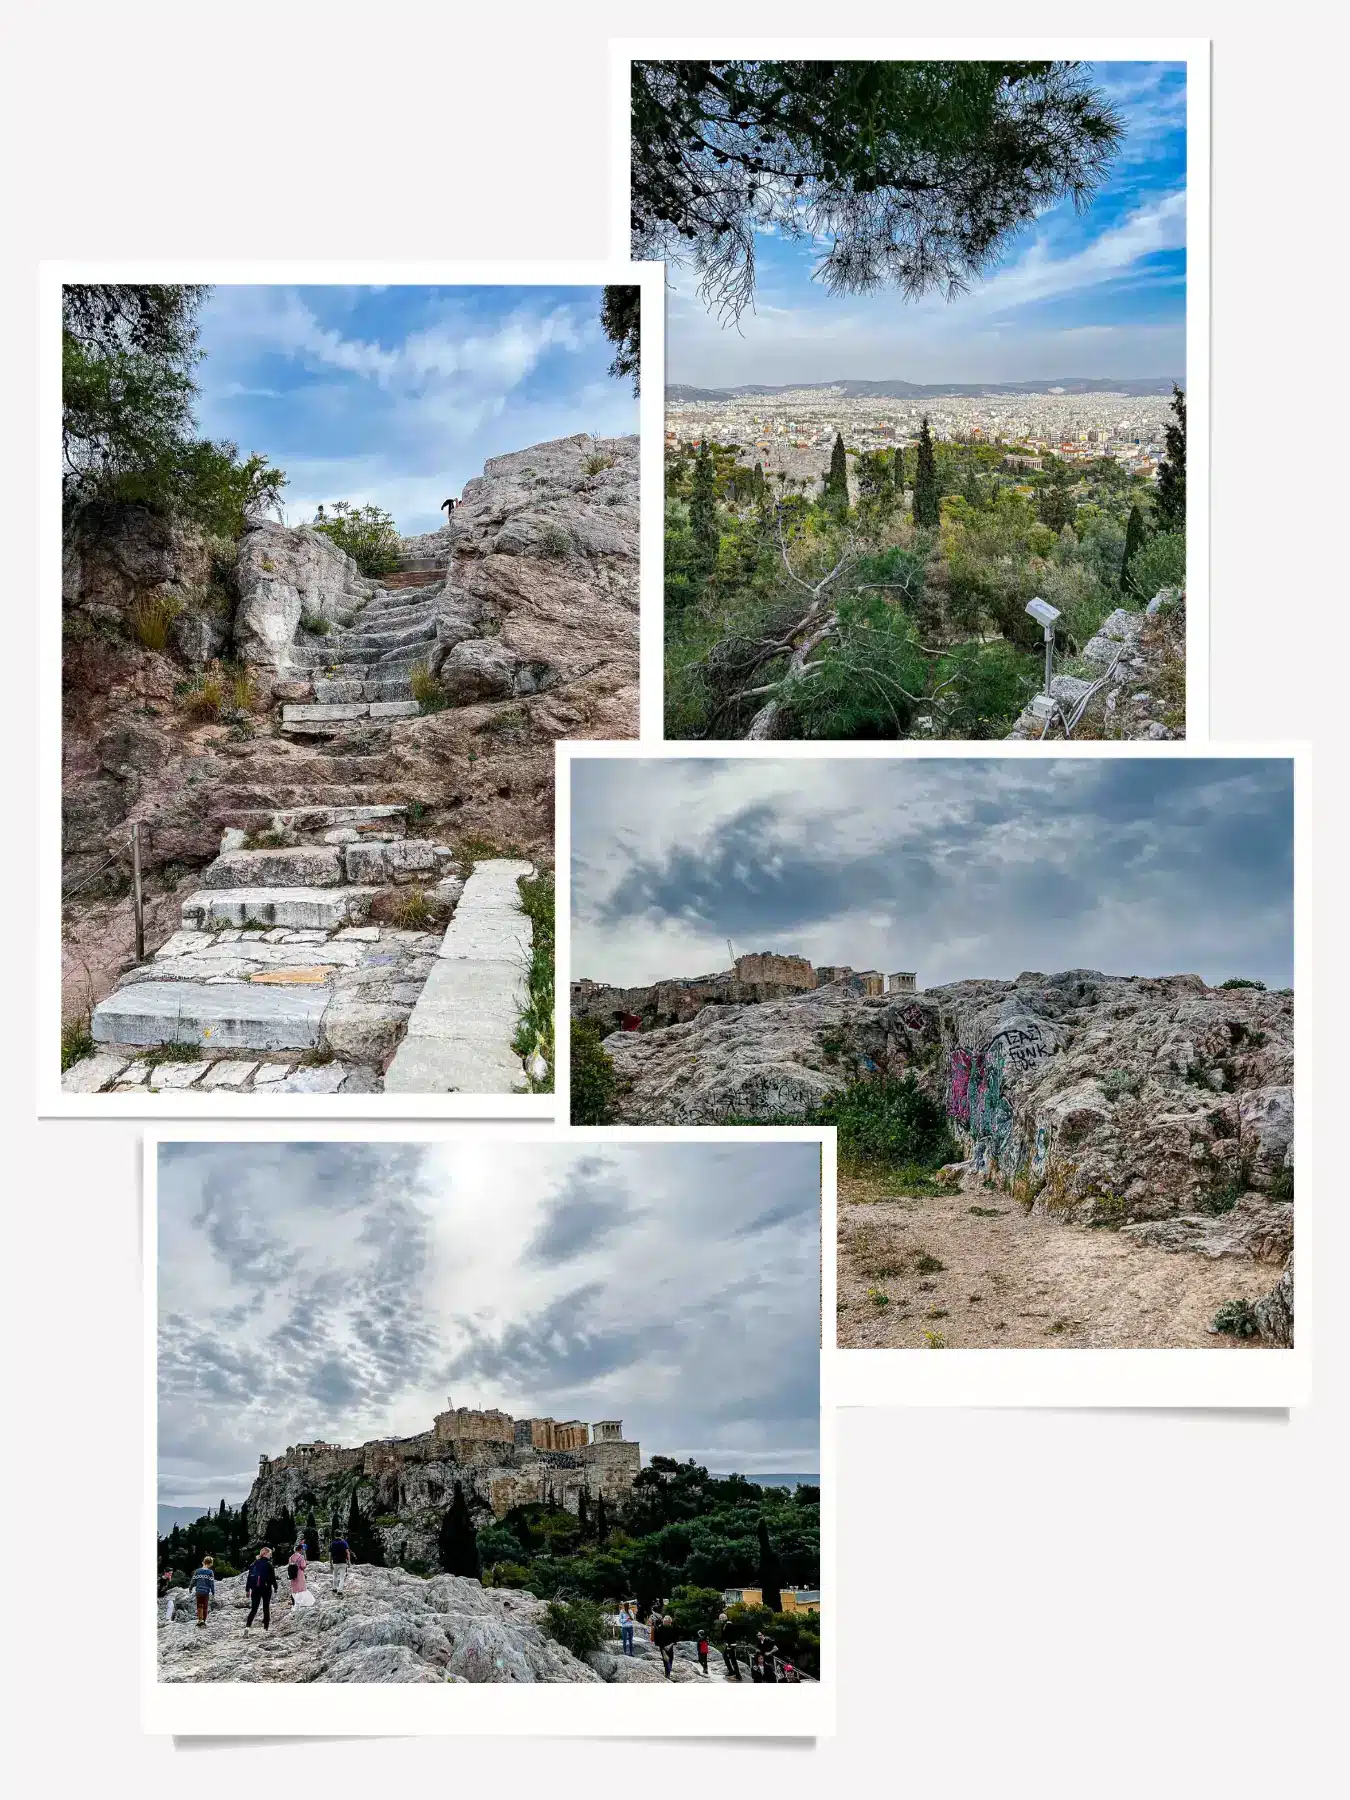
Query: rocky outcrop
point(124, 564)
point(386, 1626)
point(542, 587)
point(286, 576)
point(1132, 683)
point(1107, 1099)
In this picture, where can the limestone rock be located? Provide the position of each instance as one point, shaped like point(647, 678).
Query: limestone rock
point(1275, 1312)
point(386, 1626)
point(284, 574)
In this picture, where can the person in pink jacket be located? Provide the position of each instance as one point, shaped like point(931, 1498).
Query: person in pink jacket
point(295, 1568)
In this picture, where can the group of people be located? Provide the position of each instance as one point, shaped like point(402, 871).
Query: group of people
point(766, 1661)
point(261, 1581)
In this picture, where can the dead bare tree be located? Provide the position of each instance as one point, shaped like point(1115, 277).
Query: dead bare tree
point(817, 623)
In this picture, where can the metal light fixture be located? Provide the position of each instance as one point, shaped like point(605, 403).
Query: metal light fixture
point(1045, 614)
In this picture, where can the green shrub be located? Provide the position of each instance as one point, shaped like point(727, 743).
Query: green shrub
point(578, 1625)
point(534, 1032)
point(174, 1053)
point(204, 697)
point(368, 535)
point(316, 625)
point(555, 542)
point(76, 1042)
point(426, 689)
point(595, 1081)
point(598, 460)
point(1116, 1083)
point(1237, 1318)
point(884, 1121)
point(1241, 981)
point(1160, 564)
point(1281, 1186)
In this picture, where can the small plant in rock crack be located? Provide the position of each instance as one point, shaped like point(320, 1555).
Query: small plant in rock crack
point(1281, 1185)
point(174, 1053)
point(929, 1265)
point(427, 690)
point(76, 1042)
point(318, 1056)
point(412, 911)
point(151, 619)
point(934, 1340)
point(878, 1297)
point(1117, 1083)
point(1237, 1318)
point(555, 542)
point(988, 1212)
point(598, 460)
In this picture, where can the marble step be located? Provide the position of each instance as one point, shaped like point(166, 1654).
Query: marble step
point(344, 690)
point(301, 908)
point(213, 1015)
point(321, 721)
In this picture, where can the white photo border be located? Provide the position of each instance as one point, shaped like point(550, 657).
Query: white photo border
point(1195, 54)
point(1222, 1377)
point(560, 1709)
point(53, 1101)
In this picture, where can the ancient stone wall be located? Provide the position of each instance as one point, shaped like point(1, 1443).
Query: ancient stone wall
point(783, 971)
point(467, 1424)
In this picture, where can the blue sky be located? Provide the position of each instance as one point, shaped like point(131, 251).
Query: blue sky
point(346, 1291)
point(956, 868)
point(1097, 293)
point(397, 395)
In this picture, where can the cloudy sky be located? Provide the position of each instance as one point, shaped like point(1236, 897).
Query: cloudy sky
point(397, 395)
point(344, 1291)
point(956, 868)
point(1098, 293)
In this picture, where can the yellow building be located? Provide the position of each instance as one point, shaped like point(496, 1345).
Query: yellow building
point(794, 1599)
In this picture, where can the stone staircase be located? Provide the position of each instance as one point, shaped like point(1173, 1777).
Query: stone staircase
point(363, 672)
point(278, 954)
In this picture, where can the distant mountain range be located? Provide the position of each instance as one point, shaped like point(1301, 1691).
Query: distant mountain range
point(935, 390)
point(169, 1516)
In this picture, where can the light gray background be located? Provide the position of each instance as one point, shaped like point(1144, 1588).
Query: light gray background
point(1049, 1604)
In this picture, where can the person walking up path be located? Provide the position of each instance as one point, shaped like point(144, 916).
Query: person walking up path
point(295, 1570)
point(204, 1587)
point(261, 1584)
point(340, 1556)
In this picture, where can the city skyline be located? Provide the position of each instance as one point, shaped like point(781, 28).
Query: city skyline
point(958, 868)
point(346, 1291)
point(1101, 291)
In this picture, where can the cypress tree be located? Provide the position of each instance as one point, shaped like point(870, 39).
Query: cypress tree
point(457, 1541)
point(926, 509)
point(836, 482)
point(1134, 542)
point(1169, 508)
point(898, 472)
point(769, 1573)
point(583, 1519)
point(363, 1538)
point(311, 1538)
point(703, 512)
point(601, 1521)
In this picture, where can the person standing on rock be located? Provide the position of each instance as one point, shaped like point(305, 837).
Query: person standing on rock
point(626, 1630)
point(727, 1642)
point(665, 1638)
point(261, 1584)
point(703, 1649)
point(340, 1556)
point(448, 508)
point(295, 1570)
point(204, 1587)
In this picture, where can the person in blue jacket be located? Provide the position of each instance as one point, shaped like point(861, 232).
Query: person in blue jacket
point(204, 1587)
point(260, 1586)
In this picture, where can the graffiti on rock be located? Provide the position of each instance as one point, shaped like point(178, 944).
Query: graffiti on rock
point(977, 1099)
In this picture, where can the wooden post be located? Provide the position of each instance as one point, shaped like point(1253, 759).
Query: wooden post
point(136, 895)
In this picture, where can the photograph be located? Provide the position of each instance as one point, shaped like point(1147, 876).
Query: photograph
point(436, 1411)
point(926, 392)
point(1047, 1003)
point(339, 563)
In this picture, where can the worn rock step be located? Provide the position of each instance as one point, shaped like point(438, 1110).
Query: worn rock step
point(224, 1016)
point(301, 908)
point(348, 714)
point(306, 866)
point(323, 818)
point(344, 691)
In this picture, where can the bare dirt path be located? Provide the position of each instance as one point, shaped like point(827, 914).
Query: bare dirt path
point(975, 1271)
